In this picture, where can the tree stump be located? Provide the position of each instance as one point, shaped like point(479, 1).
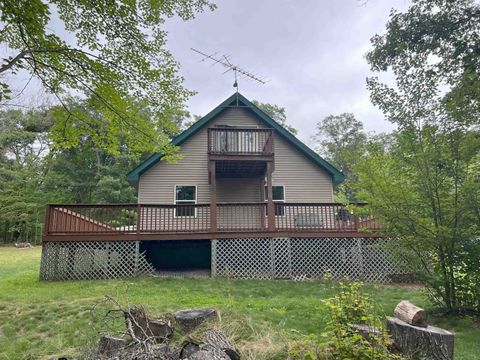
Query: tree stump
point(219, 340)
point(419, 342)
point(188, 320)
point(411, 314)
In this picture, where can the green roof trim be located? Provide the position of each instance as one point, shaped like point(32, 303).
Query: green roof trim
point(234, 100)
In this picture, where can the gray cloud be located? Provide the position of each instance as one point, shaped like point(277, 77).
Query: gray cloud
point(311, 51)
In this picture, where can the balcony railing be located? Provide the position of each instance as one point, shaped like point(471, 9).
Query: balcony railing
point(236, 141)
point(109, 219)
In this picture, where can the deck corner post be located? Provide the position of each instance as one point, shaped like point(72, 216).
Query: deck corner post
point(46, 227)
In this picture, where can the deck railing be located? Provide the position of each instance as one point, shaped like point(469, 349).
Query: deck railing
point(62, 219)
point(236, 141)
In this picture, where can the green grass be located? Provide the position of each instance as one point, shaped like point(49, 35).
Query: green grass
point(43, 319)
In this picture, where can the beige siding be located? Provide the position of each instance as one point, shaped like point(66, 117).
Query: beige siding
point(241, 190)
point(303, 180)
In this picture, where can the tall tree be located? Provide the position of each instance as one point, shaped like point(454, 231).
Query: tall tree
point(426, 187)
point(277, 113)
point(341, 139)
point(23, 145)
point(117, 54)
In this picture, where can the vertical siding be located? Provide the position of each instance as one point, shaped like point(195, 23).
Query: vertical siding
point(303, 180)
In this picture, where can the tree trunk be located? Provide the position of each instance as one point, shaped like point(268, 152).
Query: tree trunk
point(421, 343)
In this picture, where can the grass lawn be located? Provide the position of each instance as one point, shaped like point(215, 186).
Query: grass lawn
point(44, 319)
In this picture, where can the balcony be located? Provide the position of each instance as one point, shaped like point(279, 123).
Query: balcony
point(227, 143)
point(201, 221)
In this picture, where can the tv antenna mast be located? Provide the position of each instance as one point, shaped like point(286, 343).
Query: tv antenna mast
point(224, 60)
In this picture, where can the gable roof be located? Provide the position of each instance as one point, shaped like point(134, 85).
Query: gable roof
point(238, 99)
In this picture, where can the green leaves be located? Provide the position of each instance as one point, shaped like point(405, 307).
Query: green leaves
point(422, 184)
point(113, 51)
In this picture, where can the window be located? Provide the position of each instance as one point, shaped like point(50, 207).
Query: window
point(184, 195)
point(278, 196)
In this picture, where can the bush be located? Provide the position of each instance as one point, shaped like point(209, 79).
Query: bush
point(342, 340)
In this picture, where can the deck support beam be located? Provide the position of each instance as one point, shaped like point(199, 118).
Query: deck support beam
point(270, 205)
point(262, 199)
point(213, 197)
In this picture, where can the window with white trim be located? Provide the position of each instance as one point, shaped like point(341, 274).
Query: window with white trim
point(278, 196)
point(185, 195)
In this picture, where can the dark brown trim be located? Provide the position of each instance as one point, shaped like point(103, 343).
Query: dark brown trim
point(216, 157)
point(208, 236)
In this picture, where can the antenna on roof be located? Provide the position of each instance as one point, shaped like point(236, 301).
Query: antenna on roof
point(224, 60)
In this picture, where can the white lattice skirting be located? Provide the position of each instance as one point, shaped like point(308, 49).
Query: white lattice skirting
point(305, 258)
point(256, 258)
point(83, 260)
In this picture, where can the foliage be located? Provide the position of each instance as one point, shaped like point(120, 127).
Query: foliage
point(352, 306)
point(34, 173)
point(349, 306)
point(425, 185)
point(111, 52)
point(277, 113)
point(23, 144)
point(340, 139)
point(435, 41)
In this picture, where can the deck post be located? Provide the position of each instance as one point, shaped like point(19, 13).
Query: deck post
point(270, 205)
point(262, 199)
point(139, 218)
point(213, 197)
point(46, 227)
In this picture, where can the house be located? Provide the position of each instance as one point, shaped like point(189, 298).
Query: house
point(247, 199)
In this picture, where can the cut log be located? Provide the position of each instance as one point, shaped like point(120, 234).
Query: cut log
point(411, 314)
point(219, 340)
point(109, 346)
point(421, 343)
point(188, 350)
point(145, 328)
point(188, 320)
point(209, 354)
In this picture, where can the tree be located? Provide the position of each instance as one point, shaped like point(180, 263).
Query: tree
point(34, 173)
point(426, 186)
point(23, 145)
point(117, 55)
point(277, 113)
point(341, 139)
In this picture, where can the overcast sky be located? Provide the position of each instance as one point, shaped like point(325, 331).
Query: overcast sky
point(311, 51)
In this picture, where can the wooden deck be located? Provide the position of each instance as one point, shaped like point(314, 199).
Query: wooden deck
point(97, 222)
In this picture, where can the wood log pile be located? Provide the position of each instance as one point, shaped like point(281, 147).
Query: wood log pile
point(150, 338)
